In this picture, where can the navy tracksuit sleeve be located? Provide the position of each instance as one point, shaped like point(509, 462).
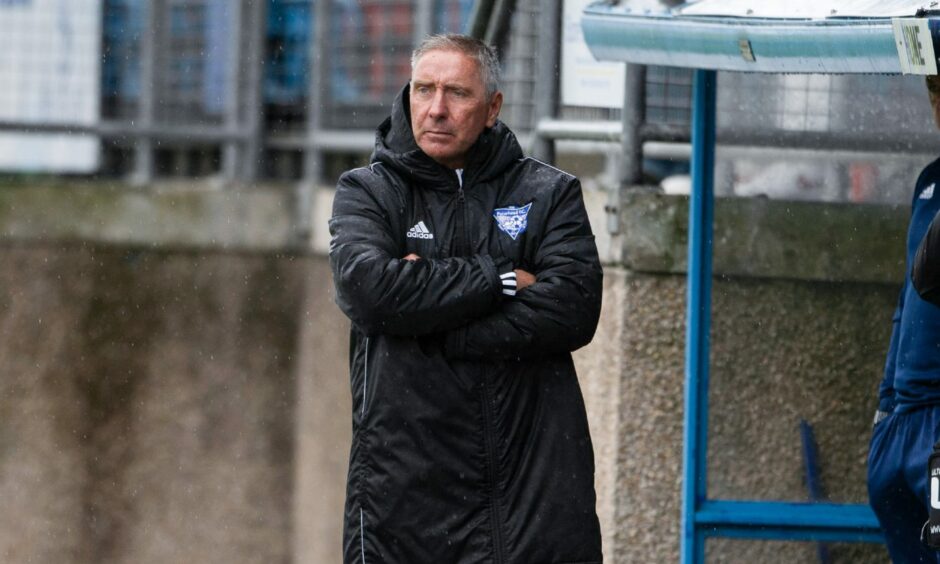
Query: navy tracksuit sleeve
point(383, 293)
point(886, 389)
point(558, 313)
point(925, 273)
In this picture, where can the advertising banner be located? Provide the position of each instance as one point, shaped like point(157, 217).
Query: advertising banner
point(584, 81)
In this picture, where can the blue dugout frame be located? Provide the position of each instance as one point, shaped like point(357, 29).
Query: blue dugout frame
point(703, 517)
point(888, 38)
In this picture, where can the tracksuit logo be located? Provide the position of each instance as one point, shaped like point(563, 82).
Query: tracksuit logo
point(928, 192)
point(419, 231)
point(512, 220)
point(935, 489)
point(930, 533)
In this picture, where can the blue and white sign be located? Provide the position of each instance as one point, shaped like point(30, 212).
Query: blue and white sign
point(513, 220)
point(50, 57)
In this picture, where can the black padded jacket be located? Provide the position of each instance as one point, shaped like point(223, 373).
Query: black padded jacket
point(470, 439)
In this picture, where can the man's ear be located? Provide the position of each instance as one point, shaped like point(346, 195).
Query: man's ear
point(496, 102)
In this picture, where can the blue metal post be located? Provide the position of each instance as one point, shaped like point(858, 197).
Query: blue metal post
point(698, 313)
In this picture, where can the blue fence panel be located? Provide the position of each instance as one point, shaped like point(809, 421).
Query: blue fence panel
point(289, 33)
point(120, 69)
point(452, 16)
point(369, 61)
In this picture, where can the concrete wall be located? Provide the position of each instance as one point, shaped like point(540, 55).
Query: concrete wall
point(781, 351)
point(148, 405)
point(801, 312)
point(191, 403)
point(324, 422)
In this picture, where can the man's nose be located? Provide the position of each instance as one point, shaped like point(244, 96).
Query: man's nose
point(438, 105)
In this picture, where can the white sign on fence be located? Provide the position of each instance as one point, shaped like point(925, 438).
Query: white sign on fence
point(915, 46)
point(584, 81)
point(50, 57)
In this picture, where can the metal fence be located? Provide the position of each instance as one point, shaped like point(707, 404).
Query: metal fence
point(860, 138)
point(213, 86)
point(292, 89)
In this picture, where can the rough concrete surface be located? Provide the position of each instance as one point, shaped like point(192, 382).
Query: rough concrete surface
point(650, 452)
point(186, 215)
point(599, 366)
point(148, 406)
point(786, 351)
point(43, 467)
point(324, 422)
point(194, 406)
point(781, 351)
point(766, 238)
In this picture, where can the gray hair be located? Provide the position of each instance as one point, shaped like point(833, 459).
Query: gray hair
point(484, 54)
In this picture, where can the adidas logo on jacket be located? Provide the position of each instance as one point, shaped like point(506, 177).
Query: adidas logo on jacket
point(419, 231)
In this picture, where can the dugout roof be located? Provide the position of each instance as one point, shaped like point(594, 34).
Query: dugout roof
point(790, 36)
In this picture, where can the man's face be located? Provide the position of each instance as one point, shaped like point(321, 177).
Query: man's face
point(449, 108)
point(933, 91)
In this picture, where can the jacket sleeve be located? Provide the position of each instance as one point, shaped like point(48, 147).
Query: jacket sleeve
point(383, 293)
point(559, 312)
point(925, 272)
point(886, 389)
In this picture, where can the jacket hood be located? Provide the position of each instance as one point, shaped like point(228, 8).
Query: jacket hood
point(395, 146)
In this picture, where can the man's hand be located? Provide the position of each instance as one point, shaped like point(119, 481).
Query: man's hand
point(523, 279)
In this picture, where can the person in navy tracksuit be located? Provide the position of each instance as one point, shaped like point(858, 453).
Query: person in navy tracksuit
point(907, 422)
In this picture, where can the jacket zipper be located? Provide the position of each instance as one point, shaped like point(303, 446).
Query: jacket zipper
point(463, 249)
point(491, 474)
point(463, 241)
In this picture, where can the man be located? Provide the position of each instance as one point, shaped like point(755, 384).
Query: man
point(469, 273)
point(907, 422)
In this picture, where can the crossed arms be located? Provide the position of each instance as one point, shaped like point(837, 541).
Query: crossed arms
point(460, 298)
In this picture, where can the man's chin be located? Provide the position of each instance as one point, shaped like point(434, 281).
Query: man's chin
point(444, 155)
point(437, 144)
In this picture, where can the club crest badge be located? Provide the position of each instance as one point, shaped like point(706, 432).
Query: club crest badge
point(512, 220)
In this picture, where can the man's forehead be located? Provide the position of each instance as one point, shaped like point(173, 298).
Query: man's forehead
point(467, 72)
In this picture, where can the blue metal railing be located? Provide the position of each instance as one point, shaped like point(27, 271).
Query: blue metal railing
point(698, 312)
point(701, 517)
